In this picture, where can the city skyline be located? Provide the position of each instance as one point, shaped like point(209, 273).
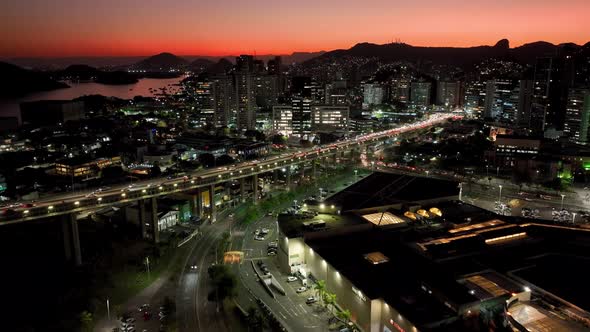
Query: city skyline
point(34, 29)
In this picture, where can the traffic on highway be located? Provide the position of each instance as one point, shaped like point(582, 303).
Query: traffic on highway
point(81, 201)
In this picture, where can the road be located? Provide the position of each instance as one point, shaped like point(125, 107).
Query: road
point(76, 202)
point(194, 311)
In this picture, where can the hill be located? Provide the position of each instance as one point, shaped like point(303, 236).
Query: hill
point(16, 81)
point(458, 56)
point(88, 73)
point(161, 62)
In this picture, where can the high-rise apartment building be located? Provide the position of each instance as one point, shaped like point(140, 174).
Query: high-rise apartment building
point(420, 94)
point(373, 94)
point(577, 118)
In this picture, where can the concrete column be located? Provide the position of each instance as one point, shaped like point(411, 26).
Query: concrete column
point(199, 203)
point(288, 170)
point(67, 236)
point(212, 209)
point(313, 169)
point(255, 187)
point(242, 190)
point(75, 240)
point(155, 226)
point(142, 219)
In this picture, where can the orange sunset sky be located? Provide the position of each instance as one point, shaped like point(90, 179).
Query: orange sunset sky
point(222, 27)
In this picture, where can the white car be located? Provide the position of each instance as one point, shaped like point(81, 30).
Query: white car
point(259, 238)
point(301, 289)
point(265, 231)
point(291, 278)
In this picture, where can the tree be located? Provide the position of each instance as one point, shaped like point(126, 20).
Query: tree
point(207, 159)
point(344, 316)
point(86, 320)
point(320, 287)
point(330, 299)
point(255, 320)
point(224, 160)
point(224, 283)
point(156, 171)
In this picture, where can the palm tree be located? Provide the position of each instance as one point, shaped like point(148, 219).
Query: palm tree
point(344, 315)
point(320, 287)
point(86, 320)
point(330, 299)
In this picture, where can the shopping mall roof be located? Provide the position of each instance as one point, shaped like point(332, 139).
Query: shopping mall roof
point(381, 266)
point(381, 189)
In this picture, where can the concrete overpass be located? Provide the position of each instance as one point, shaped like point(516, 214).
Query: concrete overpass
point(146, 192)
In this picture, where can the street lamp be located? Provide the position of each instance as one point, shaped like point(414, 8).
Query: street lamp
point(562, 197)
point(460, 191)
point(500, 196)
point(573, 218)
point(147, 264)
point(108, 310)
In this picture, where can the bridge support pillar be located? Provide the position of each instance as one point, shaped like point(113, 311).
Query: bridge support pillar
point(71, 238)
point(155, 224)
point(213, 208)
point(196, 204)
point(313, 170)
point(242, 190)
point(288, 171)
point(255, 188)
point(142, 221)
point(67, 237)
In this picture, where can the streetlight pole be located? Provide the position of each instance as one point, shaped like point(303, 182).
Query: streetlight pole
point(461, 191)
point(108, 310)
point(562, 197)
point(500, 196)
point(147, 263)
point(573, 218)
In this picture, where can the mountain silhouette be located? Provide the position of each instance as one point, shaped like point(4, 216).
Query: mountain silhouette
point(161, 62)
point(459, 56)
point(17, 81)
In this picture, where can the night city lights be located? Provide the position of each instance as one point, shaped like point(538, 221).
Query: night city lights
point(302, 166)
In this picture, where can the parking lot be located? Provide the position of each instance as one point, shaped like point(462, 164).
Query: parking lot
point(290, 307)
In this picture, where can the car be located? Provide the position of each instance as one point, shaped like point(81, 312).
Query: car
point(272, 253)
point(273, 244)
point(193, 267)
point(264, 231)
point(291, 278)
point(311, 300)
point(259, 238)
point(257, 231)
point(301, 289)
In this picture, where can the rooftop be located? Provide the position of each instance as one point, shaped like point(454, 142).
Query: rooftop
point(380, 189)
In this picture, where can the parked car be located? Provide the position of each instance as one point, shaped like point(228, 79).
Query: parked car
point(271, 253)
point(291, 278)
point(301, 289)
point(311, 300)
